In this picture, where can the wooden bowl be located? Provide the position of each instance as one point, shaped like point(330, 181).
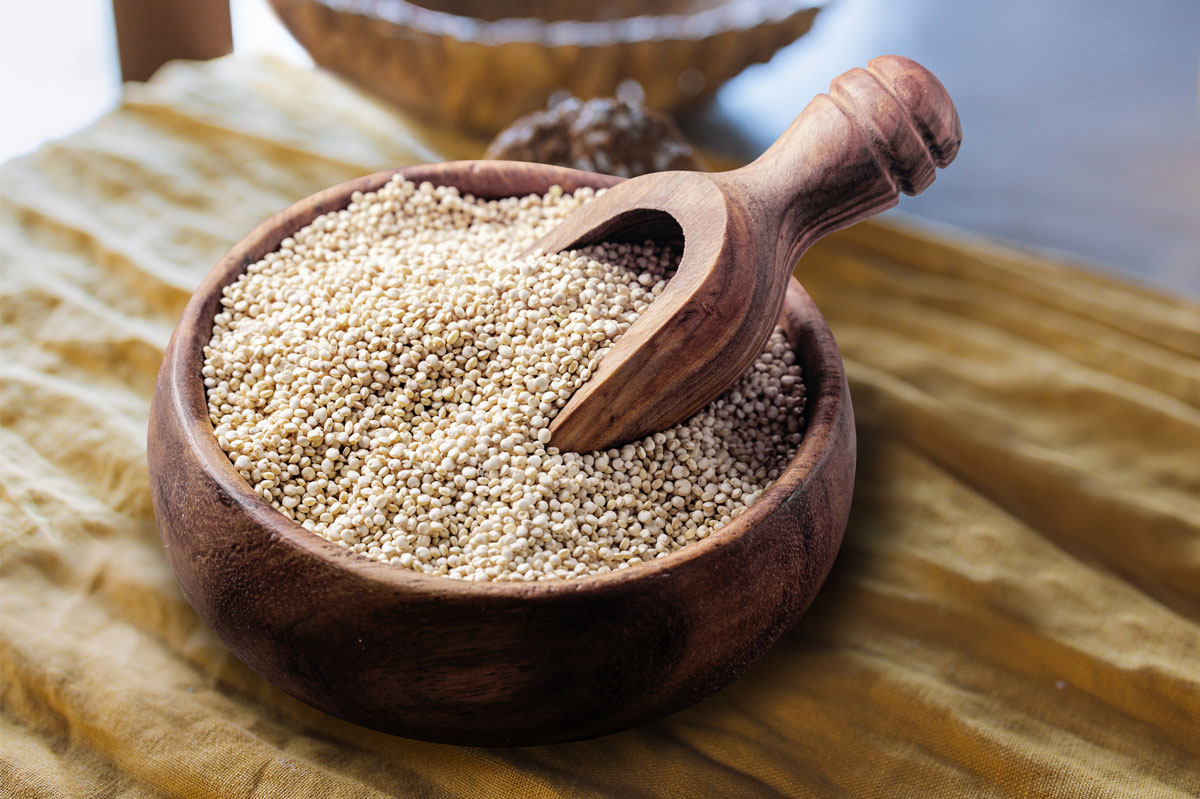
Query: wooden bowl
point(488, 663)
point(480, 64)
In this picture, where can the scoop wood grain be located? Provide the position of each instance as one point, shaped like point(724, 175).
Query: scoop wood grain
point(880, 131)
point(488, 663)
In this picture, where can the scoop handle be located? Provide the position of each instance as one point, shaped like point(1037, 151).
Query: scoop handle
point(879, 131)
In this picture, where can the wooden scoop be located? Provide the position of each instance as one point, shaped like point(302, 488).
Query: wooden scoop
point(879, 131)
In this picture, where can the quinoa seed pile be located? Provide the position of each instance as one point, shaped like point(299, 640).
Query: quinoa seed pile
point(388, 376)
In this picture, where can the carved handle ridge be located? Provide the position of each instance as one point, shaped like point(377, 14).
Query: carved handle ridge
point(880, 131)
point(906, 114)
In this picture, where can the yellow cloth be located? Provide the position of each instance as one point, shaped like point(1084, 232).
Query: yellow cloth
point(1015, 611)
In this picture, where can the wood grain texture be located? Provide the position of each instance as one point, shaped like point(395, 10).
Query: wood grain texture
point(479, 66)
point(880, 131)
point(452, 661)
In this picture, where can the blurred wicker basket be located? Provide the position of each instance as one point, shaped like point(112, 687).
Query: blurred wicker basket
point(480, 64)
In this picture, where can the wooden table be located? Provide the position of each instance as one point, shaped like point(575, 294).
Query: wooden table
point(1080, 125)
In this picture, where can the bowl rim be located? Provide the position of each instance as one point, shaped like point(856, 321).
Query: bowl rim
point(186, 400)
point(729, 15)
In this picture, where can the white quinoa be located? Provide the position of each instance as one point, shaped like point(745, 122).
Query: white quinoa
point(388, 376)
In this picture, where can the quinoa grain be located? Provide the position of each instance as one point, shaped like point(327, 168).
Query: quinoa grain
point(387, 379)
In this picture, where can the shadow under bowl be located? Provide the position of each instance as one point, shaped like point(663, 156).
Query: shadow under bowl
point(488, 663)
